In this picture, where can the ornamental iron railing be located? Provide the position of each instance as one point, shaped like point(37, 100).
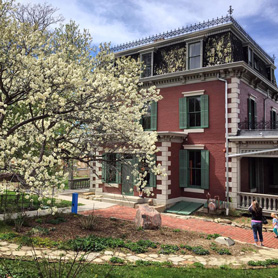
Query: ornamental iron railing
point(189, 29)
point(262, 125)
point(79, 183)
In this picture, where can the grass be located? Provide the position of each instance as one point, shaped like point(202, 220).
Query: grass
point(21, 269)
point(12, 202)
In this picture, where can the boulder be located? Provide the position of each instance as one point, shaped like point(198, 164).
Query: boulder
point(225, 240)
point(147, 218)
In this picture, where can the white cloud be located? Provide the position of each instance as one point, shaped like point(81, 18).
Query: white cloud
point(120, 21)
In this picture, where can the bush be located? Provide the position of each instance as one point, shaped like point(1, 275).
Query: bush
point(199, 250)
point(8, 236)
point(220, 251)
point(264, 263)
point(212, 236)
point(88, 222)
point(187, 247)
point(96, 244)
point(168, 249)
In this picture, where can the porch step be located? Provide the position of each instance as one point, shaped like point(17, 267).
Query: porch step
point(122, 197)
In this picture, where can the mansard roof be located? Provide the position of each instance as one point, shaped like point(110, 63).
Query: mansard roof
point(196, 29)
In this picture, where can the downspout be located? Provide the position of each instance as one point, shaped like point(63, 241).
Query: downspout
point(227, 144)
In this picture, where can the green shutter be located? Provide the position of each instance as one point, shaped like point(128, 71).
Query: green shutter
point(118, 168)
point(205, 169)
point(204, 111)
point(249, 104)
point(154, 115)
point(183, 112)
point(183, 168)
point(255, 114)
point(153, 176)
point(103, 169)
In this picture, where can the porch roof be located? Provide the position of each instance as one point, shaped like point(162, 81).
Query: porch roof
point(256, 135)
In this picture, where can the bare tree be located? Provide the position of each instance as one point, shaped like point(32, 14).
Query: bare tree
point(39, 15)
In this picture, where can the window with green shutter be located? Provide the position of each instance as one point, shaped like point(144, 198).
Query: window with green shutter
point(110, 168)
point(145, 170)
point(194, 112)
point(194, 168)
point(149, 119)
point(273, 119)
point(252, 113)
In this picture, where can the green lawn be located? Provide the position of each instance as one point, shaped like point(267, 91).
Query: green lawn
point(11, 202)
point(29, 270)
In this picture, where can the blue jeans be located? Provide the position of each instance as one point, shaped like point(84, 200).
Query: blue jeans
point(257, 227)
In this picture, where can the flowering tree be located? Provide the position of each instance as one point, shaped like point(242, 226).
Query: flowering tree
point(59, 102)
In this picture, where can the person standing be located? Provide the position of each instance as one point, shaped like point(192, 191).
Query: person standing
point(275, 224)
point(256, 222)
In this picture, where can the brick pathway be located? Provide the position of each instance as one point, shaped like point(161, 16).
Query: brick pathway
point(191, 224)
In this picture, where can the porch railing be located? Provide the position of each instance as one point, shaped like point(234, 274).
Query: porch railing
point(262, 125)
point(79, 183)
point(269, 203)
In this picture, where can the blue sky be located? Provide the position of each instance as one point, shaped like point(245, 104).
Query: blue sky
point(120, 21)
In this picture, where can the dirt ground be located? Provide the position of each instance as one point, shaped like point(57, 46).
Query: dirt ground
point(105, 227)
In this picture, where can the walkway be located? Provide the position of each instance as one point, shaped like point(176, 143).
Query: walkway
point(9, 250)
point(190, 224)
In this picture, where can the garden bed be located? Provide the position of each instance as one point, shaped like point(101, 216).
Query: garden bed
point(65, 227)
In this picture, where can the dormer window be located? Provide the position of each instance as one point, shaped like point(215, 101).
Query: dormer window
point(147, 59)
point(194, 55)
point(272, 76)
point(250, 57)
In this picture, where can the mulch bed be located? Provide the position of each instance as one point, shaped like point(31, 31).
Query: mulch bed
point(115, 228)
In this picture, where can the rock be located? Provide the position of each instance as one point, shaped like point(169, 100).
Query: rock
point(147, 218)
point(150, 202)
point(225, 221)
point(225, 240)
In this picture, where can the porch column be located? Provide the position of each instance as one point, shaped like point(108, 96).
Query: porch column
point(234, 175)
point(164, 159)
point(98, 173)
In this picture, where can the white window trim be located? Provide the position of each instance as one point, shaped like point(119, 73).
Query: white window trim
point(274, 109)
point(252, 57)
point(253, 97)
point(194, 130)
point(194, 190)
point(187, 53)
point(193, 93)
point(194, 147)
point(152, 60)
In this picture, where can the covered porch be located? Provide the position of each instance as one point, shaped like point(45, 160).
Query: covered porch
point(257, 163)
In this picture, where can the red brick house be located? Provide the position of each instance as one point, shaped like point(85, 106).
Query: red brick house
point(208, 74)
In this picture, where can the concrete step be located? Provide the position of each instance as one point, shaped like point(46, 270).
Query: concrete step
point(135, 199)
point(129, 201)
point(125, 203)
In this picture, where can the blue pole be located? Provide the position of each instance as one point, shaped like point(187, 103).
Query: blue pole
point(74, 202)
